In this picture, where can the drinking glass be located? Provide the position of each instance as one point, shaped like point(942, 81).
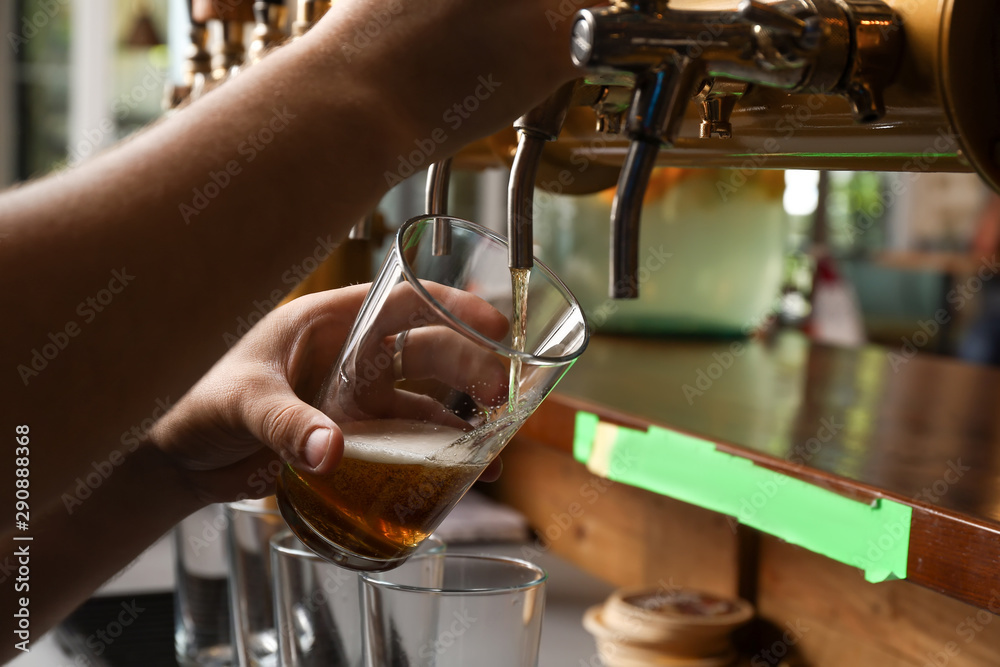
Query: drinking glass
point(252, 524)
point(202, 621)
point(318, 606)
point(436, 376)
point(454, 610)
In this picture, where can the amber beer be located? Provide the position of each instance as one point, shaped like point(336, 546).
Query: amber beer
point(396, 482)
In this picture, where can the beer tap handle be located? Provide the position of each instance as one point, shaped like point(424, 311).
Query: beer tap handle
point(271, 16)
point(308, 12)
point(231, 51)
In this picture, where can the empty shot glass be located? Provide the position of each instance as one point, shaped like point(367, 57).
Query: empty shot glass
point(202, 620)
point(450, 353)
point(318, 608)
point(454, 610)
point(252, 524)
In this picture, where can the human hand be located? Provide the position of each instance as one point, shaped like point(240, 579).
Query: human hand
point(251, 409)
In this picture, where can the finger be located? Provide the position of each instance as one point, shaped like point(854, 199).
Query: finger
point(312, 329)
point(406, 309)
point(408, 405)
point(446, 355)
point(297, 431)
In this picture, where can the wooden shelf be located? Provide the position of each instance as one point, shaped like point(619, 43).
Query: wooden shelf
point(913, 428)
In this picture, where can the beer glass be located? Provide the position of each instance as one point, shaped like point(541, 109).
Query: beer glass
point(318, 606)
point(455, 610)
point(438, 372)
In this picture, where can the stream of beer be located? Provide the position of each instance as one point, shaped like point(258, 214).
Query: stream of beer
point(519, 329)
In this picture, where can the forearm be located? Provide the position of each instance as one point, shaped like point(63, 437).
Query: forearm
point(181, 273)
point(202, 216)
point(124, 279)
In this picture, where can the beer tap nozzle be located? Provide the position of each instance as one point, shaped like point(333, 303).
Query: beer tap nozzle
point(534, 129)
point(658, 105)
point(438, 178)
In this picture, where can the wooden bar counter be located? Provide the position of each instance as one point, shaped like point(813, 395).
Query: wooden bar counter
point(909, 427)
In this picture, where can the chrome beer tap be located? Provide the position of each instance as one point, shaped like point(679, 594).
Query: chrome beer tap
point(438, 178)
point(830, 47)
point(307, 14)
point(228, 59)
point(269, 31)
point(197, 63)
point(534, 129)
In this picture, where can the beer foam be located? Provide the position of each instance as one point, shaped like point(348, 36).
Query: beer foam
point(397, 440)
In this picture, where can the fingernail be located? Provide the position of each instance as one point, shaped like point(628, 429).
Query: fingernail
point(317, 446)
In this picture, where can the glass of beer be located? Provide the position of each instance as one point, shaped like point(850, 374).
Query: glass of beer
point(450, 353)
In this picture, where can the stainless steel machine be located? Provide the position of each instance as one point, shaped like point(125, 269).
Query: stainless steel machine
point(894, 85)
point(888, 85)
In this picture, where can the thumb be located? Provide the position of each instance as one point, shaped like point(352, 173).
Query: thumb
point(298, 432)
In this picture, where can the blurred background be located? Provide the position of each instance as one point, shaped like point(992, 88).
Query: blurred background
point(848, 257)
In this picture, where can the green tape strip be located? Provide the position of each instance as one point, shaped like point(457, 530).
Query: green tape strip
point(875, 538)
point(583, 435)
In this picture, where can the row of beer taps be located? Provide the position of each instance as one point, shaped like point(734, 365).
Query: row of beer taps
point(643, 62)
point(665, 58)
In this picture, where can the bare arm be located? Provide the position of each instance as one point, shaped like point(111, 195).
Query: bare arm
point(124, 279)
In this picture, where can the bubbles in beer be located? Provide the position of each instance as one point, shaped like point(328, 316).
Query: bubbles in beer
point(396, 440)
point(519, 329)
point(396, 482)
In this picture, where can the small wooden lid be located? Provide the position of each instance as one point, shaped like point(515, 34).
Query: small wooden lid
point(676, 627)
